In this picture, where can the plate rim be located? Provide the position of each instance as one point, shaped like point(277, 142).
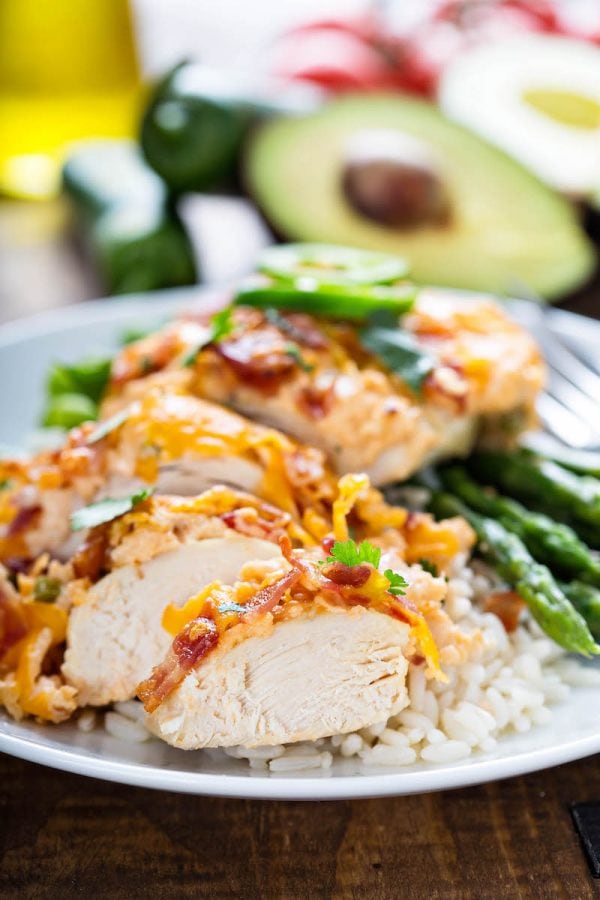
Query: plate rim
point(298, 786)
point(301, 787)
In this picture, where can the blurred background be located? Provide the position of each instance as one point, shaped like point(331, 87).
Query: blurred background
point(147, 144)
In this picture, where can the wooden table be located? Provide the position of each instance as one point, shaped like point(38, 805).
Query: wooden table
point(68, 836)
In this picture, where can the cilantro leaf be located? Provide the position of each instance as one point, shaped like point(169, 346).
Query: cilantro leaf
point(296, 354)
point(108, 425)
point(351, 554)
point(221, 325)
point(398, 351)
point(397, 583)
point(106, 510)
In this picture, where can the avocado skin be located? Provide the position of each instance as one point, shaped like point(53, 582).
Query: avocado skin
point(508, 233)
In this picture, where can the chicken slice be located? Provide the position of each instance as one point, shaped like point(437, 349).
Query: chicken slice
point(330, 392)
point(174, 441)
point(322, 673)
point(115, 636)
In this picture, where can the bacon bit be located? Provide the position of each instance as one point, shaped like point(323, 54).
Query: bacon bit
point(258, 357)
point(18, 565)
point(25, 518)
point(191, 645)
point(90, 560)
point(304, 329)
point(248, 521)
point(316, 400)
point(354, 576)
point(267, 598)
point(327, 544)
point(507, 606)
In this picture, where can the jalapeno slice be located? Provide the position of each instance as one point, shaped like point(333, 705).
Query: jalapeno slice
point(331, 264)
point(342, 301)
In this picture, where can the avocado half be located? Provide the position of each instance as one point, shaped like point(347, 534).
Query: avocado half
point(502, 229)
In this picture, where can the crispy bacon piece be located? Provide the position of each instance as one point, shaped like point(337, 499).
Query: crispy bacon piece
point(259, 358)
point(25, 518)
point(507, 606)
point(303, 329)
point(191, 645)
point(267, 598)
point(353, 576)
point(90, 559)
point(268, 522)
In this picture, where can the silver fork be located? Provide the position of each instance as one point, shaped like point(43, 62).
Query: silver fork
point(570, 406)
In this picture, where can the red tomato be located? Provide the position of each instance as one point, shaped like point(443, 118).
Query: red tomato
point(335, 59)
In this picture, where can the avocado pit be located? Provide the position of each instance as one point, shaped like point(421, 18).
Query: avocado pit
point(393, 179)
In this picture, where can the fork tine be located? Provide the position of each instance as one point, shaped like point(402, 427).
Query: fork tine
point(564, 424)
point(574, 400)
point(570, 366)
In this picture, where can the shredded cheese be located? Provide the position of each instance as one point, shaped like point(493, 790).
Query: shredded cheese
point(349, 489)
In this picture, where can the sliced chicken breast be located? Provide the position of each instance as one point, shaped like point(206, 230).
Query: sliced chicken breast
point(318, 383)
point(319, 674)
point(176, 442)
point(115, 636)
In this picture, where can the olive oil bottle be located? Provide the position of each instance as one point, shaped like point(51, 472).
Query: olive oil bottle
point(68, 71)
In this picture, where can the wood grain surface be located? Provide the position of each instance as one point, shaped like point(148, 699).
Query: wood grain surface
point(67, 836)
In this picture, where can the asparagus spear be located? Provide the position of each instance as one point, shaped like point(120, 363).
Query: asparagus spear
point(546, 486)
point(550, 542)
point(586, 600)
point(532, 581)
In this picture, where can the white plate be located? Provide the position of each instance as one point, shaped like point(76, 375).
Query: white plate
point(26, 350)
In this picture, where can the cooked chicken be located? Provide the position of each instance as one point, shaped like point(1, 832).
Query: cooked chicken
point(320, 674)
point(320, 649)
point(158, 555)
point(115, 637)
point(176, 442)
point(316, 382)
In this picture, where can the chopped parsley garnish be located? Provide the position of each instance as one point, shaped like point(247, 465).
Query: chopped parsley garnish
point(106, 510)
point(221, 325)
point(429, 566)
point(397, 583)
point(352, 554)
point(108, 426)
point(296, 354)
point(349, 553)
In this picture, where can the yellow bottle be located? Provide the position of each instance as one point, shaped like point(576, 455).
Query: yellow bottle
point(68, 70)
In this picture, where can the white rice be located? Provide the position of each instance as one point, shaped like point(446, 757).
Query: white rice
point(508, 688)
